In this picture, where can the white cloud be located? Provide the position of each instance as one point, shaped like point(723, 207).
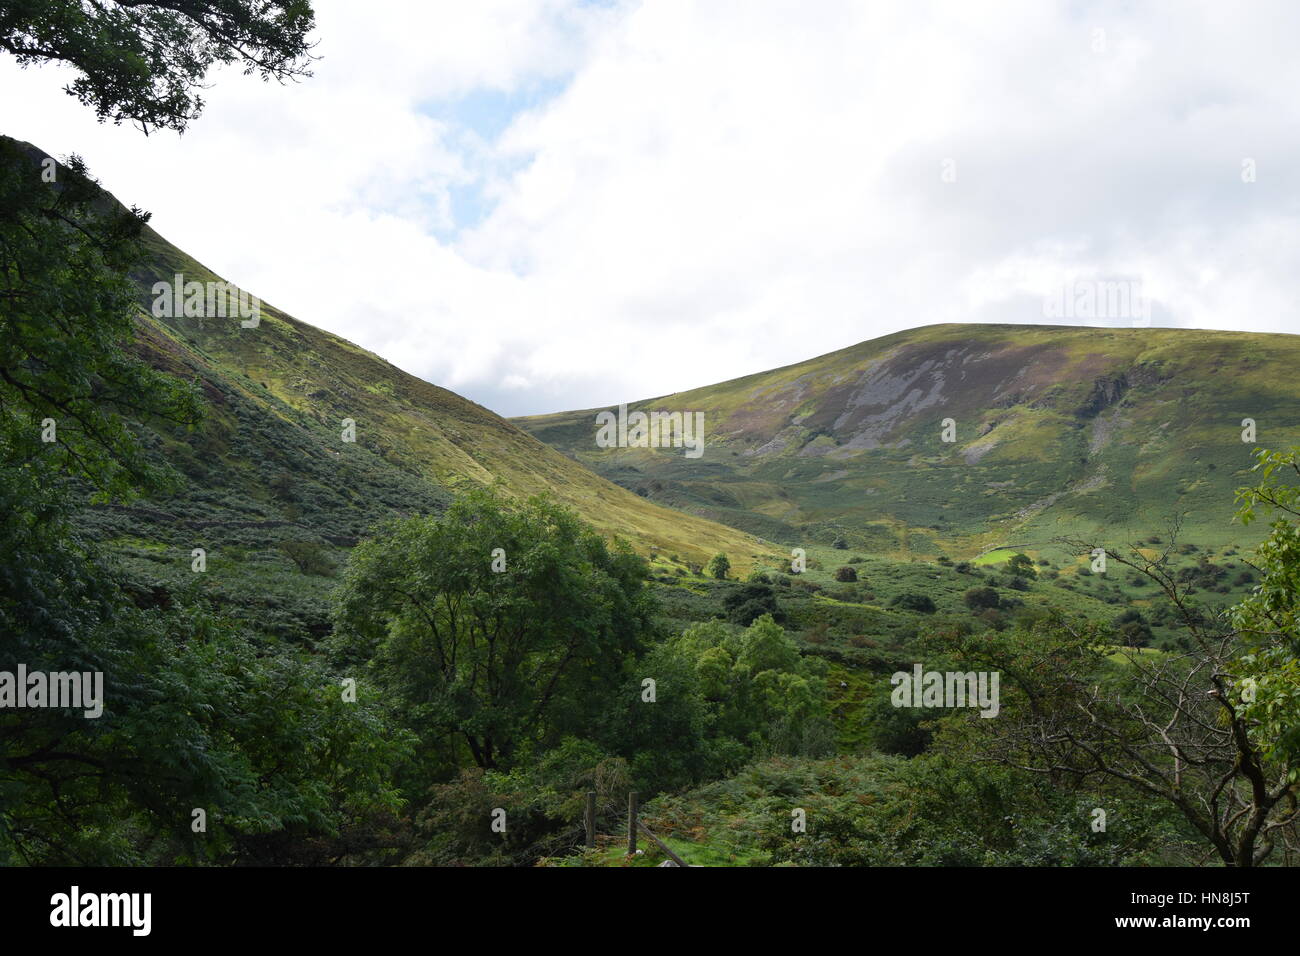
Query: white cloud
point(719, 188)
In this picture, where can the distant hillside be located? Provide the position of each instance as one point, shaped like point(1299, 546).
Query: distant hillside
point(1059, 431)
point(276, 496)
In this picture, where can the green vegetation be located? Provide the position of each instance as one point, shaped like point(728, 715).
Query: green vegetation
point(1105, 434)
point(428, 645)
point(198, 712)
point(492, 658)
point(145, 64)
point(719, 566)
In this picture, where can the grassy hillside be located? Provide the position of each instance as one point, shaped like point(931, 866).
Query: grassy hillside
point(771, 690)
point(275, 495)
point(1060, 432)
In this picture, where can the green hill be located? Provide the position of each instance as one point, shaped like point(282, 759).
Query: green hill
point(275, 495)
point(1059, 431)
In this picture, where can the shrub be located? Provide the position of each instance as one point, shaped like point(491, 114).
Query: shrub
point(719, 566)
point(912, 601)
point(979, 599)
point(309, 556)
point(1020, 565)
point(1133, 628)
point(747, 604)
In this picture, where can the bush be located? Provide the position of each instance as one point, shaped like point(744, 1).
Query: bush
point(747, 604)
point(911, 601)
point(309, 556)
point(1020, 565)
point(719, 566)
point(846, 574)
point(1133, 628)
point(979, 599)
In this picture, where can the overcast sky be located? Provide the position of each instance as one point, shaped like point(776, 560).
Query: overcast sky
point(547, 205)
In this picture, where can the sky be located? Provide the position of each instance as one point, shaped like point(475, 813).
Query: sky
point(547, 205)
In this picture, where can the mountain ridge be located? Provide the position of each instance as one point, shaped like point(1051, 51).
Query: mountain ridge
point(1046, 418)
point(275, 493)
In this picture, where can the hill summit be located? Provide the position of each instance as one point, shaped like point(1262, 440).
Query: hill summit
point(960, 438)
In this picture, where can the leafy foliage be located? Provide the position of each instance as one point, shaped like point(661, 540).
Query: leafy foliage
point(494, 657)
point(145, 61)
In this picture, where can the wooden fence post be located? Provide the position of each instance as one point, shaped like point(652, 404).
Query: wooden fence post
point(662, 845)
point(631, 821)
point(591, 818)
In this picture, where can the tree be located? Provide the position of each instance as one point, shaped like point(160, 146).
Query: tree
point(1133, 628)
point(1021, 565)
point(145, 61)
point(719, 567)
point(67, 311)
point(497, 658)
point(846, 574)
point(747, 603)
point(1268, 621)
point(762, 694)
point(1212, 730)
point(196, 713)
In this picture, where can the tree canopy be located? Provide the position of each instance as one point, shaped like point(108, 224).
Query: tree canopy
point(144, 61)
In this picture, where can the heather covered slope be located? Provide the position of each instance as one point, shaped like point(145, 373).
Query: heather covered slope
point(1059, 431)
point(297, 373)
point(275, 495)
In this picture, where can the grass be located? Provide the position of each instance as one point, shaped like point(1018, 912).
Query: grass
point(268, 474)
point(312, 380)
point(835, 447)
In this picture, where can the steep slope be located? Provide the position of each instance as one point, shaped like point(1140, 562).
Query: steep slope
point(297, 373)
point(1058, 431)
point(276, 494)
